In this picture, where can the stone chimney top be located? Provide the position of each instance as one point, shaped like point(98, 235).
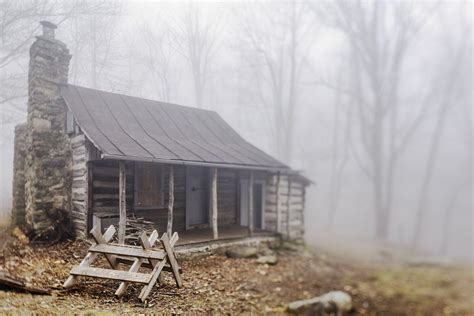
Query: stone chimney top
point(48, 29)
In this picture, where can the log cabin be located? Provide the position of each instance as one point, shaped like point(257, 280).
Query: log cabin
point(104, 157)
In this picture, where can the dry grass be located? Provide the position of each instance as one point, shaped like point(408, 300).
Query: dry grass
point(4, 221)
point(216, 284)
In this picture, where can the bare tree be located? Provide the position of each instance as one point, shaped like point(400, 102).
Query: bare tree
point(160, 58)
point(195, 35)
point(340, 144)
point(94, 42)
point(276, 44)
point(378, 36)
point(454, 91)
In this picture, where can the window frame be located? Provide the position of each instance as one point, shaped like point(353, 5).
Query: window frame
point(70, 125)
point(161, 204)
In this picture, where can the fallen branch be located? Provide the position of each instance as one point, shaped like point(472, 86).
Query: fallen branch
point(7, 281)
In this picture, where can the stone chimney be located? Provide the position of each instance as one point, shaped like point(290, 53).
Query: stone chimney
point(48, 153)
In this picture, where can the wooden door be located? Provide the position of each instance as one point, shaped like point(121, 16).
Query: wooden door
point(197, 196)
point(258, 203)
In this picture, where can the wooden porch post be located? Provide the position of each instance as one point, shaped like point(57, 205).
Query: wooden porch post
point(122, 203)
point(170, 201)
point(288, 207)
point(278, 207)
point(214, 202)
point(251, 203)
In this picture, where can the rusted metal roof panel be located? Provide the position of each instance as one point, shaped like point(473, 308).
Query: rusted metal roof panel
point(125, 127)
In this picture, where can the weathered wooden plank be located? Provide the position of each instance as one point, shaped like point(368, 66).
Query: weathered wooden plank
point(288, 210)
point(109, 171)
point(154, 277)
point(111, 274)
point(122, 203)
point(127, 251)
point(172, 260)
point(138, 261)
point(277, 202)
point(105, 184)
point(90, 257)
point(214, 202)
point(250, 188)
point(170, 200)
point(100, 240)
point(103, 196)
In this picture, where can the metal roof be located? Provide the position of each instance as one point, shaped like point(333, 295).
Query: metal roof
point(131, 128)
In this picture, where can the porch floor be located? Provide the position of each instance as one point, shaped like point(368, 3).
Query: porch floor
point(200, 235)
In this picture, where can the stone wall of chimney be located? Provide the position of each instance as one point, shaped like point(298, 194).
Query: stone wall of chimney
point(19, 154)
point(48, 174)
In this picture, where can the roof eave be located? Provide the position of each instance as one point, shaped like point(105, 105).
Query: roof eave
point(282, 169)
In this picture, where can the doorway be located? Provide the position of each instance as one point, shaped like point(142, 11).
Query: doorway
point(258, 203)
point(197, 197)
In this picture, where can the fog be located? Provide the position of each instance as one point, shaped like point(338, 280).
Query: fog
point(370, 100)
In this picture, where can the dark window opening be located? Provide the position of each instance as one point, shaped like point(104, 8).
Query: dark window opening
point(71, 127)
point(148, 186)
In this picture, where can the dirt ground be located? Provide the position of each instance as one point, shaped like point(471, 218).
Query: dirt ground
point(218, 284)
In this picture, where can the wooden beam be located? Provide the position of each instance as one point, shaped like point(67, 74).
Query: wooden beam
point(90, 257)
point(170, 201)
point(172, 260)
point(111, 274)
point(114, 249)
point(90, 173)
point(214, 202)
point(100, 240)
point(288, 200)
point(251, 204)
point(146, 243)
point(122, 203)
point(278, 206)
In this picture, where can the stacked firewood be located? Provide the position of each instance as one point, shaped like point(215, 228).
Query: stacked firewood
point(135, 227)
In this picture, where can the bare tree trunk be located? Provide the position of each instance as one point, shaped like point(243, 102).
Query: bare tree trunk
point(449, 213)
point(434, 147)
point(292, 87)
point(339, 159)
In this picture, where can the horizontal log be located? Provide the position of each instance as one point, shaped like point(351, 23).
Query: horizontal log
point(128, 261)
point(109, 171)
point(79, 166)
point(105, 184)
point(112, 274)
point(97, 197)
point(127, 251)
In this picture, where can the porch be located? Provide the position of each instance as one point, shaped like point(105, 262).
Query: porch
point(226, 233)
point(200, 203)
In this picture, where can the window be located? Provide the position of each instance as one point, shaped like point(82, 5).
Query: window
point(71, 127)
point(148, 185)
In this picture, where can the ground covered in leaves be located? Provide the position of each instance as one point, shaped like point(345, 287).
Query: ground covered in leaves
point(219, 284)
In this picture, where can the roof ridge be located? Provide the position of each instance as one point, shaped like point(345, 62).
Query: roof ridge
point(137, 97)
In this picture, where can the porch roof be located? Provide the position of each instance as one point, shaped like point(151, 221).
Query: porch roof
point(131, 128)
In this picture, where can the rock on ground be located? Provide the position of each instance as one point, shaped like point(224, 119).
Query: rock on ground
point(332, 302)
point(242, 252)
point(269, 259)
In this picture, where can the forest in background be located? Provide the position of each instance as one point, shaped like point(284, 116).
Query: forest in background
point(373, 100)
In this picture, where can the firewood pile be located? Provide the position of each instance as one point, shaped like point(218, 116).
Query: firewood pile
point(135, 227)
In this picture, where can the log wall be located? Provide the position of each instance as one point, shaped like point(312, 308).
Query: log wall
point(80, 177)
point(292, 203)
point(105, 176)
point(227, 197)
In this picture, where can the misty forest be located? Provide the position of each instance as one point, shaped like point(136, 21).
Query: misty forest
point(371, 101)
